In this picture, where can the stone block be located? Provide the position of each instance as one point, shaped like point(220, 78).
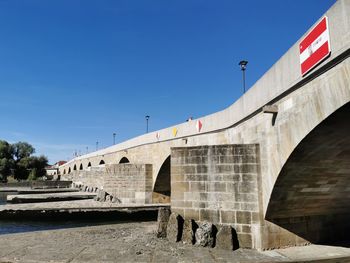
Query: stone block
point(163, 219)
point(232, 187)
point(180, 186)
point(248, 187)
point(246, 197)
point(177, 177)
point(217, 187)
point(174, 227)
point(228, 159)
point(246, 229)
point(197, 186)
point(228, 217)
point(243, 217)
point(177, 195)
point(225, 168)
point(184, 204)
point(191, 214)
point(189, 169)
point(249, 207)
point(196, 177)
point(245, 240)
point(249, 177)
point(226, 238)
point(209, 215)
point(198, 205)
point(202, 169)
point(205, 235)
point(188, 231)
point(101, 196)
point(246, 168)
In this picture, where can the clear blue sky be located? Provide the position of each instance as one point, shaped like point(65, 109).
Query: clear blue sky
point(72, 72)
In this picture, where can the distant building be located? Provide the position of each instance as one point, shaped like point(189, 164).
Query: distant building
point(52, 170)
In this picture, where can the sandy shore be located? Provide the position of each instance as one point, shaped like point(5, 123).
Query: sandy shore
point(130, 242)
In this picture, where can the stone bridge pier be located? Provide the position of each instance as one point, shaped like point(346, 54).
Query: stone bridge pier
point(309, 203)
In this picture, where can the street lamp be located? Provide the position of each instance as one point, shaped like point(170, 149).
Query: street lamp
point(147, 118)
point(96, 145)
point(114, 134)
point(243, 64)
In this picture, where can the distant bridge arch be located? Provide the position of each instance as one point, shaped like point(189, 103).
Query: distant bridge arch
point(124, 160)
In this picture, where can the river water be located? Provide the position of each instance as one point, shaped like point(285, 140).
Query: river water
point(18, 226)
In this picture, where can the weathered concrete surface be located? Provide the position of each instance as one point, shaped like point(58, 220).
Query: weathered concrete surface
point(37, 184)
point(80, 209)
point(28, 190)
point(72, 205)
point(135, 242)
point(52, 197)
point(46, 191)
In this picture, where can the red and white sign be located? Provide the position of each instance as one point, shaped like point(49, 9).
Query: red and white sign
point(315, 46)
point(199, 125)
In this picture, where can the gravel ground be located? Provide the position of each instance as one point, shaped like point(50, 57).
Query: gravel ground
point(126, 242)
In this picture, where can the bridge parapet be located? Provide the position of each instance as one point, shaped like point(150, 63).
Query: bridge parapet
point(129, 183)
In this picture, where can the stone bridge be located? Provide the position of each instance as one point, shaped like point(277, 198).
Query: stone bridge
point(275, 165)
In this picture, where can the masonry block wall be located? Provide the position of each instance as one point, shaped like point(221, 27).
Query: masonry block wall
point(92, 177)
point(131, 183)
point(218, 184)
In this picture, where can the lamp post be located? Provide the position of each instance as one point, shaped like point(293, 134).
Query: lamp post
point(147, 118)
point(114, 134)
point(243, 64)
point(96, 145)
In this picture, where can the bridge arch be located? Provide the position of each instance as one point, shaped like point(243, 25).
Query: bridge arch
point(89, 164)
point(69, 170)
point(81, 167)
point(75, 167)
point(64, 171)
point(162, 187)
point(101, 162)
point(124, 160)
point(312, 186)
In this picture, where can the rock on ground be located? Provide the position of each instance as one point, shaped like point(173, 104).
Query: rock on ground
point(163, 219)
point(205, 234)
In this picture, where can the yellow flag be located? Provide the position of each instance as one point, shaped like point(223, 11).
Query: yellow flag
point(174, 132)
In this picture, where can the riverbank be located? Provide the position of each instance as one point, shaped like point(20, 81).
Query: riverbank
point(136, 242)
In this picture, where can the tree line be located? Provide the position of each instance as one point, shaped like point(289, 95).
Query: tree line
point(17, 160)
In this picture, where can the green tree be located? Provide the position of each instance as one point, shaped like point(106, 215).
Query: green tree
point(6, 150)
point(32, 165)
point(38, 164)
point(17, 159)
point(22, 150)
point(6, 160)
